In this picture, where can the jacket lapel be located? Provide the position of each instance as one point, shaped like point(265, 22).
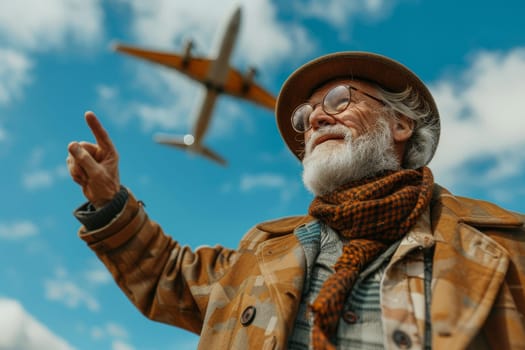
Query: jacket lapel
point(469, 267)
point(282, 262)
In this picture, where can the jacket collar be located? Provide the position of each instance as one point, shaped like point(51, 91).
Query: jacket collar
point(284, 225)
point(474, 212)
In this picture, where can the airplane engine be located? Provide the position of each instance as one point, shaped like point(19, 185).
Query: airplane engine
point(248, 78)
point(186, 56)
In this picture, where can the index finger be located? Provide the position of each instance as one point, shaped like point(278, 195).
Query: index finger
point(101, 135)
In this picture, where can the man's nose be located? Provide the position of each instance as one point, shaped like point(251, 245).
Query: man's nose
point(319, 118)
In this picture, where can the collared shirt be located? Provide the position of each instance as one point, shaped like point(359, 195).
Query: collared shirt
point(360, 326)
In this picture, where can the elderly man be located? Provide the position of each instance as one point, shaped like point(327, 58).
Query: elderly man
point(386, 258)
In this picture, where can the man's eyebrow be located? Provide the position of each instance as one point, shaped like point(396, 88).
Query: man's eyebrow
point(311, 99)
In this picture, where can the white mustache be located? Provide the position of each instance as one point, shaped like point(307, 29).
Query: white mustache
point(336, 129)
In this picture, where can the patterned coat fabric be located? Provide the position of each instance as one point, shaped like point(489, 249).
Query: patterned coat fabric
point(248, 298)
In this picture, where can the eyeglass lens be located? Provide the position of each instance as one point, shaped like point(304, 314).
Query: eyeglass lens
point(301, 117)
point(334, 102)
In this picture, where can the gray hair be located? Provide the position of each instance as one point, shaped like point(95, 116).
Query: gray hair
point(421, 145)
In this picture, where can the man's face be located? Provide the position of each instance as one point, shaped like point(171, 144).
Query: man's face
point(353, 144)
point(359, 118)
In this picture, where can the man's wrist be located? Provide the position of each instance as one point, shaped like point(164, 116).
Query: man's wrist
point(94, 218)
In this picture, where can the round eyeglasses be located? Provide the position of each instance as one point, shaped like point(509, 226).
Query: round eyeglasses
point(334, 102)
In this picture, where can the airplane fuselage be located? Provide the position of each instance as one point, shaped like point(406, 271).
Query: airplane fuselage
point(216, 76)
point(220, 66)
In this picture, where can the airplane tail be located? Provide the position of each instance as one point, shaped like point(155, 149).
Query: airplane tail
point(183, 143)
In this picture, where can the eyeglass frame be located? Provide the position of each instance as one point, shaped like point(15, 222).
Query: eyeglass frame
point(349, 87)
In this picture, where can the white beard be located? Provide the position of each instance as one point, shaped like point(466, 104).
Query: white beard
point(329, 166)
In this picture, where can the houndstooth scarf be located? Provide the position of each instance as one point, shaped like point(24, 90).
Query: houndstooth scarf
point(369, 214)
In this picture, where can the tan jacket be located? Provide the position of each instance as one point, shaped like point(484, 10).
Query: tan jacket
point(248, 298)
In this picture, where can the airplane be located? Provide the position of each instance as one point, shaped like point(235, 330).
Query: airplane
point(216, 75)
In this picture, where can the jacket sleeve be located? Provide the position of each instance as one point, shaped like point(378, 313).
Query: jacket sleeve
point(167, 282)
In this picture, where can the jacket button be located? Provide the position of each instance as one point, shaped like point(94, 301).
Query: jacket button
point(248, 315)
point(350, 317)
point(402, 339)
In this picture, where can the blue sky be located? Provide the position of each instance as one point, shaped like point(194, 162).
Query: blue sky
point(55, 63)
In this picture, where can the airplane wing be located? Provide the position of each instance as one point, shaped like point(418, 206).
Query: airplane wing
point(194, 67)
point(237, 85)
point(197, 68)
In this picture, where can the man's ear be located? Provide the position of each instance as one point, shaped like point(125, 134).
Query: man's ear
point(402, 128)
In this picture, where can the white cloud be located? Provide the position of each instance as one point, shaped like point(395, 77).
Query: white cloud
point(79, 290)
point(120, 345)
point(106, 92)
point(110, 329)
point(42, 25)
point(18, 230)
point(287, 189)
point(43, 178)
point(170, 116)
point(28, 26)
point(250, 182)
point(97, 333)
point(37, 179)
point(70, 294)
point(36, 157)
point(116, 333)
point(482, 118)
point(342, 12)
point(15, 68)
point(264, 41)
point(21, 331)
point(116, 330)
point(98, 276)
